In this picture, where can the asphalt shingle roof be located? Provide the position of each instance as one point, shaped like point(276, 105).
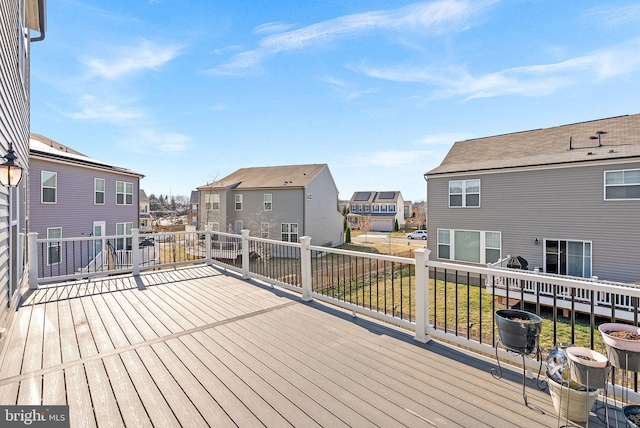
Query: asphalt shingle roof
point(269, 177)
point(557, 145)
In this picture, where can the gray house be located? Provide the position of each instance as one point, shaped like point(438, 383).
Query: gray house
point(73, 195)
point(17, 20)
point(382, 209)
point(565, 198)
point(277, 202)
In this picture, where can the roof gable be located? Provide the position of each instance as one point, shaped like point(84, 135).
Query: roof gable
point(612, 138)
point(269, 177)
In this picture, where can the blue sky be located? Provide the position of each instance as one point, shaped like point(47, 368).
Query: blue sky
point(186, 92)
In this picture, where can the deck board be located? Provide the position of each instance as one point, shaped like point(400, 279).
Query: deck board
point(200, 346)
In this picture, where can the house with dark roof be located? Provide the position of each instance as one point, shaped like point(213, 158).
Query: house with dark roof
point(73, 195)
point(276, 202)
point(565, 198)
point(382, 209)
point(192, 213)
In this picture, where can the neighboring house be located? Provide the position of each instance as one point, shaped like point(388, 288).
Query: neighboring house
point(192, 213)
point(408, 209)
point(17, 20)
point(278, 202)
point(383, 209)
point(145, 213)
point(565, 198)
point(73, 195)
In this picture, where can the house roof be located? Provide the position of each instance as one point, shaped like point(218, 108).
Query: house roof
point(142, 196)
point(619, 138)
point(194, 197)
point(375, 197)
point(42, 146)
point(269, 177)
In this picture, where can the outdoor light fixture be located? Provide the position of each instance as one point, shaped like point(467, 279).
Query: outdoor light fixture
point(10, 171)
point(536, 241)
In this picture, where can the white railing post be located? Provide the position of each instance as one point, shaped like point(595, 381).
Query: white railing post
point(32, 245)
point(422, 295)
point(135, 251)
point(207, 243)
point(245, 253)
point(305, 267)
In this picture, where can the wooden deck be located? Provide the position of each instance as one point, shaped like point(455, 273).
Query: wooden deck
point(200, 347)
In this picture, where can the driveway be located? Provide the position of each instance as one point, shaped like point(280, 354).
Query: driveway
point(384, 237)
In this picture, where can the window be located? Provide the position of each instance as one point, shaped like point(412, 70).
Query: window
point(123, 229)
point(469, 246)
point(124, 193)
point(238, 202)
point(268, 199)
point(49, 187)
point(98, 187)
point(53, 248)
point(622, 184)
point(571, 258)
point(392, 208)
point(194, 208)
point(290, 232)
point(366, 208)
point(464, 193)
point(264, 230)
point(211, 202)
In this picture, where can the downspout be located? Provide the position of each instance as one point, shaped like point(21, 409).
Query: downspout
point(42, 21)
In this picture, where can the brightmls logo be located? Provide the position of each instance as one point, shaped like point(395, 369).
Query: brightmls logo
point(34, 416)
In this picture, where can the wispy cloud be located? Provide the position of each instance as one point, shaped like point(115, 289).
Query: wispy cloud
point(425, 17)
point(153, 141)
point(272, 27)
point(534, 80)
point(613, 17)
point(358, 94)
point(130, 59)
point(99, 109)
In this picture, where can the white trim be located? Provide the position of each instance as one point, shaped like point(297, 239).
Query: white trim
point(605, 185)
point(54, 244)
point(464, 193)
point(124, 193)
point(95, 191)
point(42, 187)
point(452, 245)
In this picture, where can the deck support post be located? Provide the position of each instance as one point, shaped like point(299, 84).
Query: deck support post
point(207, 243)
point(135, 251)
point(422, 295)
point(245, 254)
point(32, 246)
point(305, 267)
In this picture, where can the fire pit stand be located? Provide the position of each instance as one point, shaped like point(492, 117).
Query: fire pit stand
point(518, 332)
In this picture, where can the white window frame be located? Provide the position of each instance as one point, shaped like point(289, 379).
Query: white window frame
point(447, 238)
point(96, 191)
point(621, 183)
point(287, 232)
point(43, 187)
point(54, 244)
point(587, 259)
point(238, 202)
point(214, 202)
point(123, 229)
point(264, 230)
point(268, 201)
point(127, 192)
point(464, 193)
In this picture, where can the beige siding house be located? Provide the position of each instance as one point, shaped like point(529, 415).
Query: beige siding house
point(277, 202)
point(381, 209)
point(17, 20)
point(565, 198)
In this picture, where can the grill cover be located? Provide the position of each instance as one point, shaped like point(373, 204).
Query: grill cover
point(517, 262)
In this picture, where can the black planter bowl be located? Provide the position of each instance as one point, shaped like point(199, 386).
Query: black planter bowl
point(632, 409)
point(519, 331)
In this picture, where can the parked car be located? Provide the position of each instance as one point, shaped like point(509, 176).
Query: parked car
point(418, 234)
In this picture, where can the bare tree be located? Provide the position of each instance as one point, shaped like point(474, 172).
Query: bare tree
point(365, 225)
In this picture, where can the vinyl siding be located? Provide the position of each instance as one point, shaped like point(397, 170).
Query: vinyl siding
point(323, 221)
point(14, 127)
point(553, 203)
point(75, 210)
point(287, 208)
